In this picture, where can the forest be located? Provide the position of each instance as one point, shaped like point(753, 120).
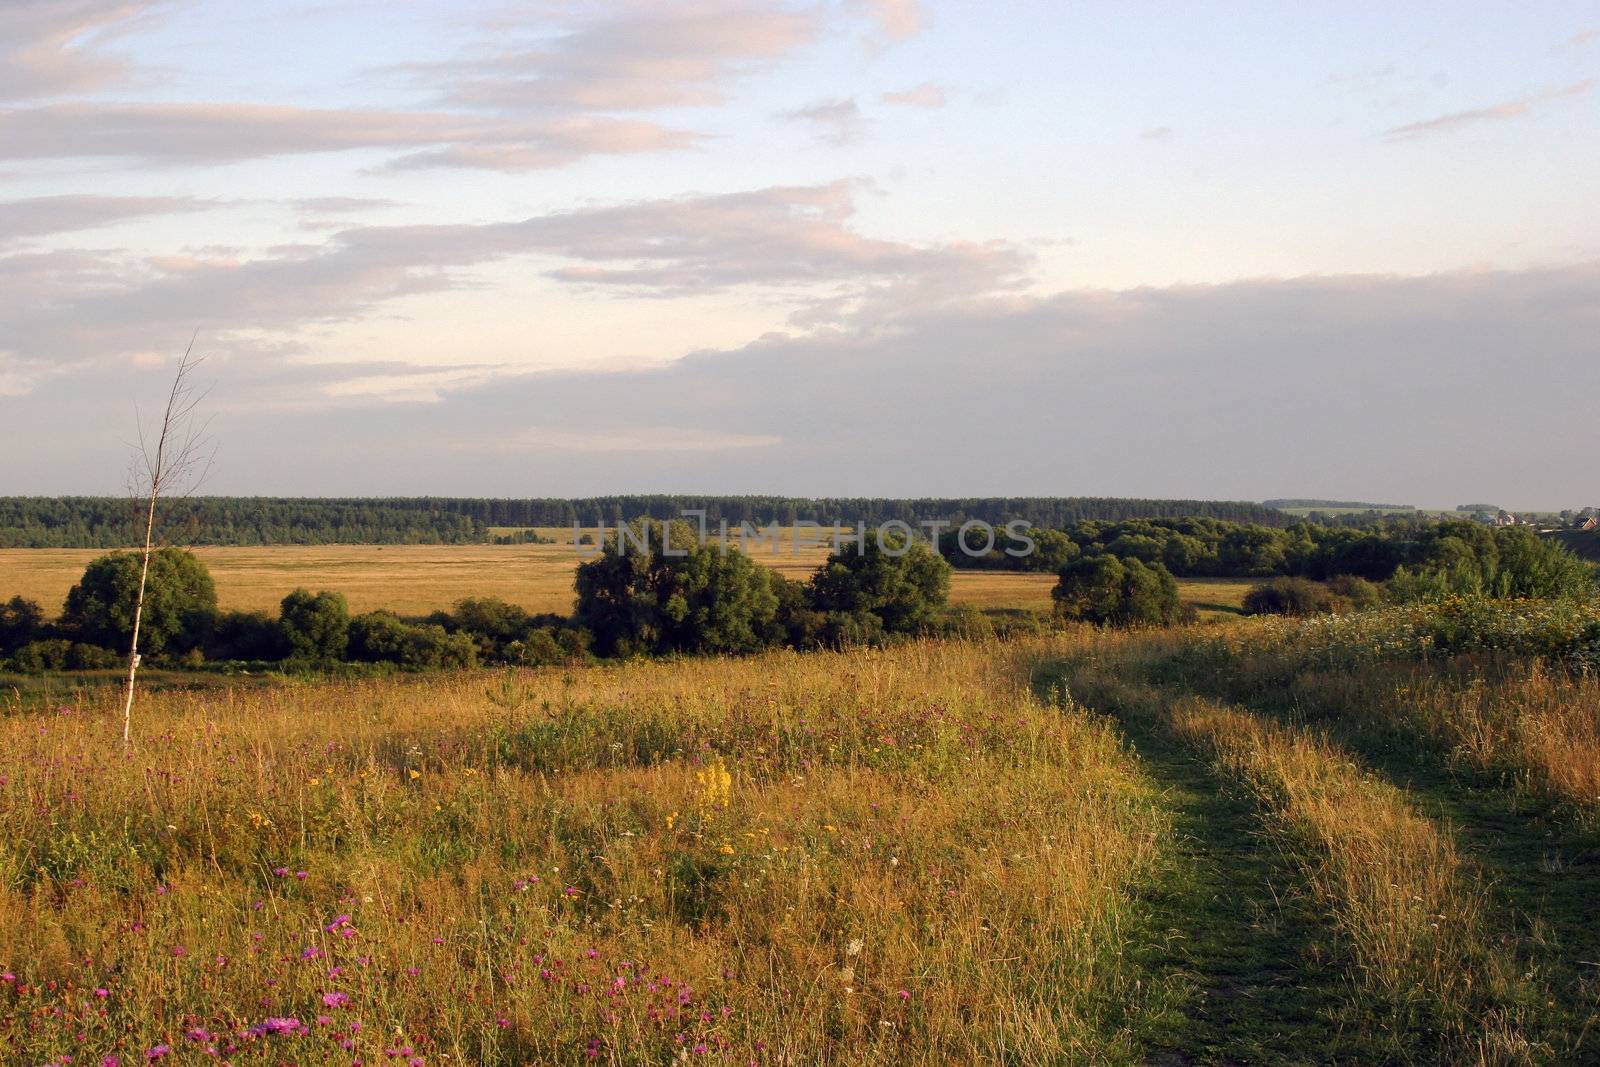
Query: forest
point(113, 522)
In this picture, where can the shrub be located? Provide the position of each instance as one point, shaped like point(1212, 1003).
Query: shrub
point(21, 623)
point(1288, 596)
point(1465, 559)
point(1124, 593)
point(966, 621)
point(317, 628)
point(382, 637)
point(37, 657)
point(795, 623)
point(246, 635)
point(1354, 594)
point(844, 629)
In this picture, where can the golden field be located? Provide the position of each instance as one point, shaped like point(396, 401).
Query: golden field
point(877, 857)
point(417, 579)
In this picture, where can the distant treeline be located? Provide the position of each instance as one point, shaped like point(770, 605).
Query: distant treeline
point(1342, 505)
point(1210, 548)
point(112, 522)
point(115, 522)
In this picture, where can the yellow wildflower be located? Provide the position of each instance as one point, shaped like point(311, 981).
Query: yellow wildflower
point(716, 785)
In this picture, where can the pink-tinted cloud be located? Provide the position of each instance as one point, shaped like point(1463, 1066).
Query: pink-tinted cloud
point(898, 19)
point(1511, 109)
point(55, 47)
point(629, 57)
point(796, 243)
point(928, 94)
point(175, 134)
point(43, 215)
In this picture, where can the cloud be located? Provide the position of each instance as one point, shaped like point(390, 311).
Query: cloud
point(898, 20)
point(795, 244)
point(55, 47)
point(1582, 37)
point(174, 134)
point(545, 101)
point(44, 215)
point(1511, 109)
point(340, 205)
point(1156, 133)
point(629, 57)
point(928, 94)
point(1147, 392)
point(604, 439)
point(836, 122)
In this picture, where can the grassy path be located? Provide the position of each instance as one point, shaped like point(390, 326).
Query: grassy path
point(1544, 871)
point(1231, 924)
point(1409, 942)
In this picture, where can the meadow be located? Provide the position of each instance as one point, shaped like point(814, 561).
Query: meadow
point(417, 579)
point(891, 857)
point(1361, 840)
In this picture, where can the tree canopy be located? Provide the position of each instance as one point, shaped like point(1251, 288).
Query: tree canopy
point(180, 602)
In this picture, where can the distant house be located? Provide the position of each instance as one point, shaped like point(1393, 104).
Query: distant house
point(1505, 518)
point(1591, 523)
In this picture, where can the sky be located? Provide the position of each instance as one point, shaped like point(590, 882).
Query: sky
point(843, 247)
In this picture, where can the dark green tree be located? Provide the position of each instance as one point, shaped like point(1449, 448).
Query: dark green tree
point(1111, 592)
point(180, 602)
point(904, 586)
point(675, 595)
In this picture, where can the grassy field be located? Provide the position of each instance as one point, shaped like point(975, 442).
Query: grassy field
point(417, 579)
point(897, 857)
point(1275, 843)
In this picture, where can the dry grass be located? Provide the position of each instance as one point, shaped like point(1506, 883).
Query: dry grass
point(1540, 725)
point(890, 857)
point(417, 579)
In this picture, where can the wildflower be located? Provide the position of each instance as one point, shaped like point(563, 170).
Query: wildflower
point(904, 994)
point(716, 785)
point(110, 1061)
point(102, 992)
point(415, 774)
point(158, 1052)
point(335, 1000)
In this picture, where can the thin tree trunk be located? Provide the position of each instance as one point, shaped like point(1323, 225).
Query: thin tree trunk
point(138, 614)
